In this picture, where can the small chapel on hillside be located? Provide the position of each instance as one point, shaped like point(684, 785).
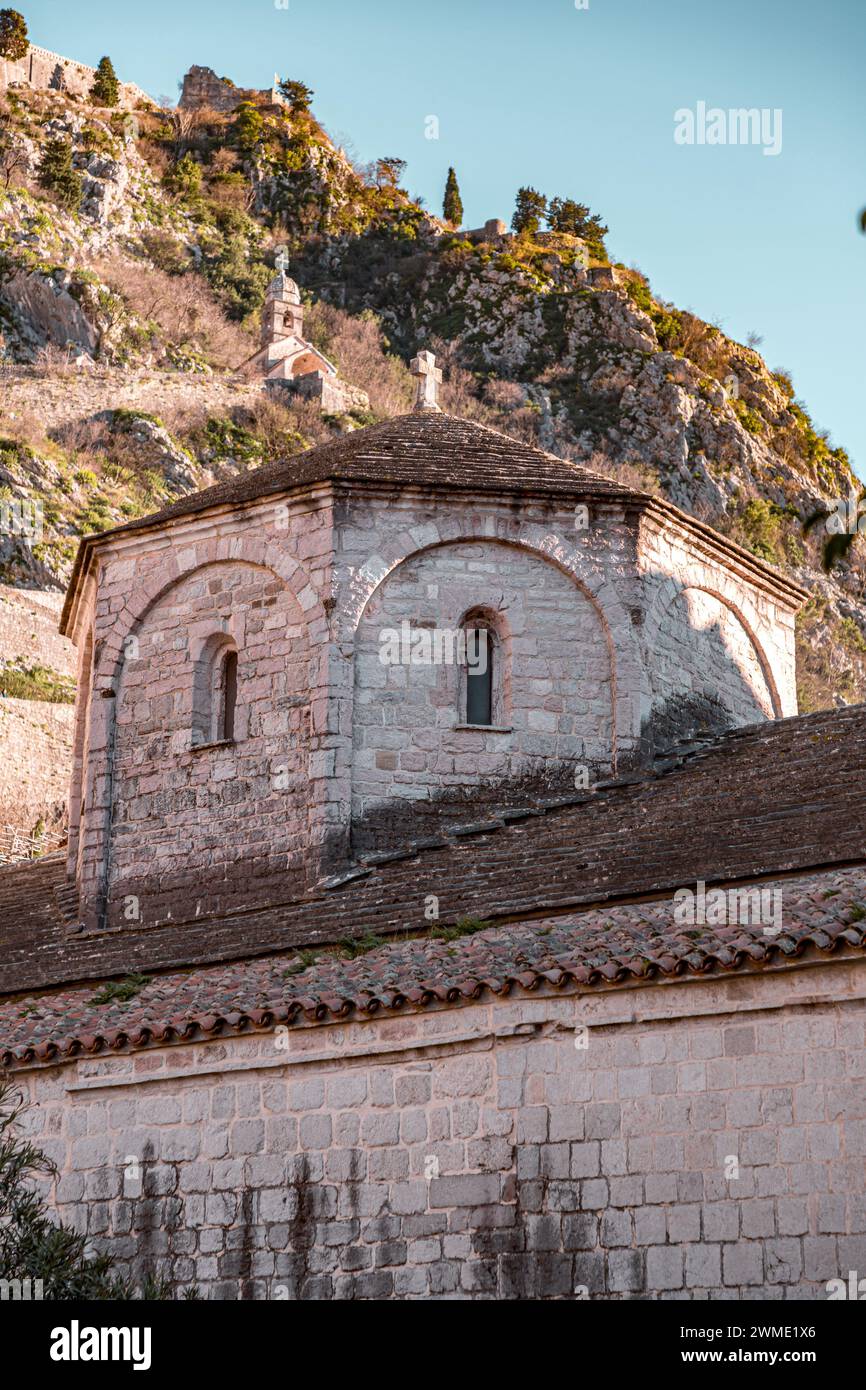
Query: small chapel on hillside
point(285, 352)
point(258, 707)
point(287, 360)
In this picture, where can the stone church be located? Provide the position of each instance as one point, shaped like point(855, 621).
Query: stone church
point(396, 998)
point(286, 359)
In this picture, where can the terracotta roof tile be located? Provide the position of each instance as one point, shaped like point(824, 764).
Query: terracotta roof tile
point(783, 796)
point(822, 913)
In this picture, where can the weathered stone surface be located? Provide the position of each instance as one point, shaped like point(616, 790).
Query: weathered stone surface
point(436, 1221)
point(202, 88)
point(46, 71)
point(598, 613)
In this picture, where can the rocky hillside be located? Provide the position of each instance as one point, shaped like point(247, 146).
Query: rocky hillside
point(134, 254)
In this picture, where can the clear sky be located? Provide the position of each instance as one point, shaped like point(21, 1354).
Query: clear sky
point(581, 103)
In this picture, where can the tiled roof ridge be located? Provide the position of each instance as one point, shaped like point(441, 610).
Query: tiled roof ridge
point(745, 953)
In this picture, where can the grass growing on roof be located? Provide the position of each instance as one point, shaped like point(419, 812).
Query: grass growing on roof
point(121, 991)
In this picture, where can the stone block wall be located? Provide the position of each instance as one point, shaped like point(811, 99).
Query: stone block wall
point(560, 597)
point(333, 397)
point(46, 71)
point(705, 670)
point(713, 635)
point(701, 1139)
point(35, 736)
point(150, 815)
point(60, 400)
point(608, 632)
point(180, 809)
point(551, 672)
point(202, 88)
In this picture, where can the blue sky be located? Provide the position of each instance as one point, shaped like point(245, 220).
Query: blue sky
point(581, 103)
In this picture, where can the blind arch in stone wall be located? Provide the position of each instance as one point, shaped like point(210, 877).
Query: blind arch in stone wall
point(412, 762)
point(707, 666)
point(630, 685)
point(99, 880)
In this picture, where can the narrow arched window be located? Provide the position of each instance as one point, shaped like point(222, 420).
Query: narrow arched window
point(215, 691)
point(227, 696)
point(479, 676)
point(484, 667)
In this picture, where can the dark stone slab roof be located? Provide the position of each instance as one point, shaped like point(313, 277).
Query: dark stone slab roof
point(430, 450)
point(823, 915)
point(426, 448)
point(780, 797)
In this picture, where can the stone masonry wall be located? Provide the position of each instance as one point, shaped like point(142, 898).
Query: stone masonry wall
point(586, 612)
point(719, 683)
point(202, 87)
point(46, 71)
point(551, 672)
point(58, 400)
point(710, 629)
point(180, 809)
point(143, 787)
point(562, 597)
point(700, 1139)
point(35, 736)
point(36, 739)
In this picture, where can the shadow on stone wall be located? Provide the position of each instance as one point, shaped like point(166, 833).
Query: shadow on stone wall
point(677, 720)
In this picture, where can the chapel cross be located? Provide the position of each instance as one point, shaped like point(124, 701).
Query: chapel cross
point(281, 260)
point(428, 376)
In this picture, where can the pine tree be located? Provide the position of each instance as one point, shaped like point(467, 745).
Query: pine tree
point(57, 174)
point(389, 171)
point(452, 206)
point(14, 42)
point(297, 94)
point(529, 209)
point(106, 88)
point(565, 215)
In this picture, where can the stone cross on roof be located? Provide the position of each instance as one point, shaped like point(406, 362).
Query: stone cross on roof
point(428, 376)
point(281, 260)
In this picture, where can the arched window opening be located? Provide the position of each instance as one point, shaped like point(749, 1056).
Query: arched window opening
point(227, 696)
point(484, 676)
point(215, 692)
point(479, 677)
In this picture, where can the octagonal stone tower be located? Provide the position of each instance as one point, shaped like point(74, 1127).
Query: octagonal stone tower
point(273, 675)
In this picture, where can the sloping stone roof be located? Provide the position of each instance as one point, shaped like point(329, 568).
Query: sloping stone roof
point(823, 915)
point(423, 448)
point(428, 449)
point(781, 797)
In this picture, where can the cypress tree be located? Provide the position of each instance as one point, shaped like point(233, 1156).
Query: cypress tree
point(453, 205)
